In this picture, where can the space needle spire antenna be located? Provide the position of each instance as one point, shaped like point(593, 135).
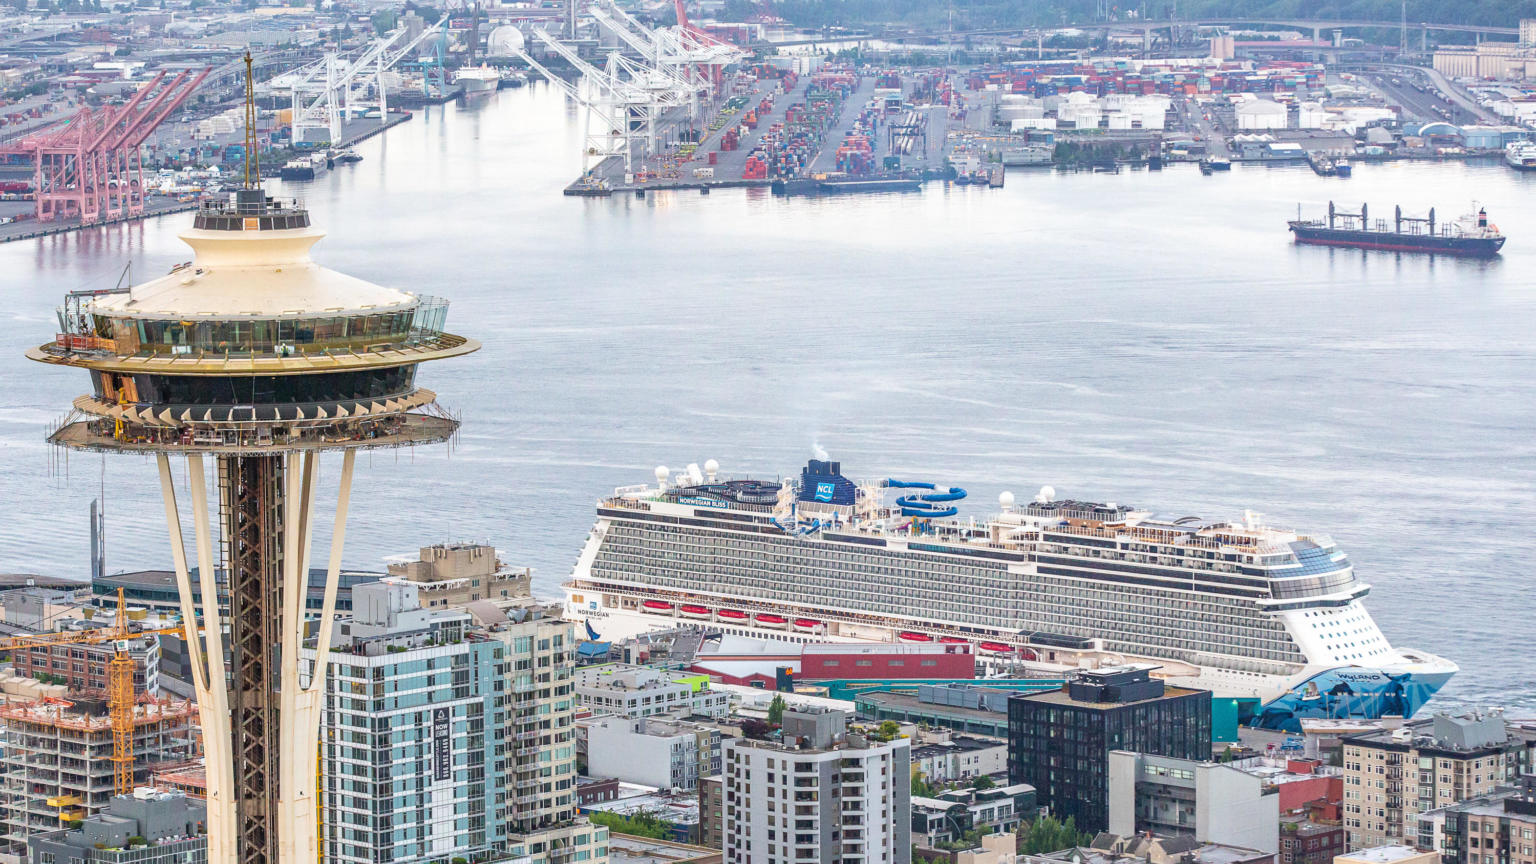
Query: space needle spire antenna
point(252, 151)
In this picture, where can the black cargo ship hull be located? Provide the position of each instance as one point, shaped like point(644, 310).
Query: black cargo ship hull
point(1477, 247)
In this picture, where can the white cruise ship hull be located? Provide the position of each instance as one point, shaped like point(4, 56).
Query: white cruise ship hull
point(1348, 691)
point(1269, 617)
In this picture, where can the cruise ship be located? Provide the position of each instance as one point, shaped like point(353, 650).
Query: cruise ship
point(1270, 616)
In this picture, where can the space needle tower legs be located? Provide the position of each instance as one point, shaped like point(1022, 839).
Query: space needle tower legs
point(268, 504)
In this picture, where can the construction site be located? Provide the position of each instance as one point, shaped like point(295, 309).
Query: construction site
point(59, 766)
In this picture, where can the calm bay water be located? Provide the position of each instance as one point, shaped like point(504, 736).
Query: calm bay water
point(1145, 338)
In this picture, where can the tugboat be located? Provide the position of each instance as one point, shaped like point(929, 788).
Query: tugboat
point(1471, 235)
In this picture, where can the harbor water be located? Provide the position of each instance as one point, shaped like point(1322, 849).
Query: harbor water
point(1151, 338)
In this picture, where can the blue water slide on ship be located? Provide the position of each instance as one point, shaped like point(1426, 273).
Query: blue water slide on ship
point(927, 505)
point(798, 529)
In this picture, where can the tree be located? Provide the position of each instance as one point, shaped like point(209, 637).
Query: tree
point(920, 786)
point(1046, 834)
point(755, 728)
point(636, 825)
point(776, 709)
point(982, 781)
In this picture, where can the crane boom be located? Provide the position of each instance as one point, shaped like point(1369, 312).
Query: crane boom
point(120, 696)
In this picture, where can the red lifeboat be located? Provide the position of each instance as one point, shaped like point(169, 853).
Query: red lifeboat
point(732, 615)
point(657, 605)
point(996, 648)
point(913, 636)
point(954, 640)
point(768, 619)
point(693, 610)
point(807, 624)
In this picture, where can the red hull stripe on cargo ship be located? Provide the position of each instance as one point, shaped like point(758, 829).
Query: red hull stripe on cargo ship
point(1394, 247)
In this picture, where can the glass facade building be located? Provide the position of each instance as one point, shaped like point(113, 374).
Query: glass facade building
point(1059, 741)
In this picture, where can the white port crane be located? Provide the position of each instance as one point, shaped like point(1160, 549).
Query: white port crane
point(682, 51)
point(626, 98)
point(322, 90)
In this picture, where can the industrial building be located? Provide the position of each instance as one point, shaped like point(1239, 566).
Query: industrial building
point(58, 760)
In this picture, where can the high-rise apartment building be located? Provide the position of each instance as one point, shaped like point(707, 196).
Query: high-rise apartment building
point(1498, 828)
point(1059, 741)
point(820, 794)
point(1393, 775)
point(448, 733)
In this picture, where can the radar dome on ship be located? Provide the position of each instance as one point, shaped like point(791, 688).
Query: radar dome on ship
point(662, 473)
point(1047, 494)
point(1005, 501)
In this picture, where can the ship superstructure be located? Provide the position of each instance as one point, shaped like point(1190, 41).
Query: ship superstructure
point(1241, 608)
point(1521, 155)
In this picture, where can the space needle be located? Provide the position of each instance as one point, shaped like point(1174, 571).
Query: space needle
point(254, 360)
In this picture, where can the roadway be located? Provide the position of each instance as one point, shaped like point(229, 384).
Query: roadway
point(1443, 100)
point(1196, 119)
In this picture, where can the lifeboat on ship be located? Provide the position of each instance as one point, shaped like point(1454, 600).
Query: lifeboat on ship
point(807, 625)
point(692, 610)
point(996, 648)
point(954, 640)
point(768, 619)
point(656, 606)
point(913, 636)
point(731, 615)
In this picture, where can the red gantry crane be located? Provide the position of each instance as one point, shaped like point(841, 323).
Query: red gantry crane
point(89, 167)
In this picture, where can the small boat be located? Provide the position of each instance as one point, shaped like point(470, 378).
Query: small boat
point(913, 636)
point(732, 615)
point(657, 606)
point(807, 624)
point(1342, 169)
point(963, 180)
point(769, 620)
point(694, 611)
point(953, 640)
point(996, 648)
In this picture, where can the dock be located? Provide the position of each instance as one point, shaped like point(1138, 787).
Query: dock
point(164, 205)
point(918, 143)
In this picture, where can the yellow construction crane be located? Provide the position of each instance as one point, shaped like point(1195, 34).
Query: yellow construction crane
point(120, 698)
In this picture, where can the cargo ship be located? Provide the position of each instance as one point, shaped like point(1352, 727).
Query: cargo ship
point(1269, 616)
point(1471, 235)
